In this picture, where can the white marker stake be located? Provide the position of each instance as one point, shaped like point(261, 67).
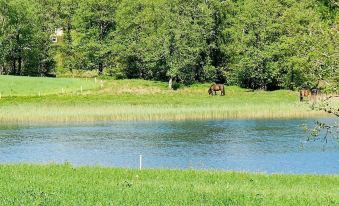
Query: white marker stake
point(140, 162)
point(95, 80)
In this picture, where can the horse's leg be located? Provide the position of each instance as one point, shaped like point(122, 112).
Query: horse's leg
point(303, 96)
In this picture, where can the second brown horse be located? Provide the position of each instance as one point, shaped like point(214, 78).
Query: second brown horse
point(216, 87)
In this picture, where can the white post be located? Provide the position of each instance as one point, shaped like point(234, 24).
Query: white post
point(95, 80)
point(140, 162)
point(101, 84)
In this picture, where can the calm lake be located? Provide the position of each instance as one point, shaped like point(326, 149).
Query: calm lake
point(272, 146)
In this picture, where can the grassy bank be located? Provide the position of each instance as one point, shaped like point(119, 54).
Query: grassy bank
point(35, 86)
point(65, 185)
point(148, 100)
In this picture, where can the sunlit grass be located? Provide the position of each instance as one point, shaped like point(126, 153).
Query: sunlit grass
point(67, 185)
point(39, 86)
point(150, 100)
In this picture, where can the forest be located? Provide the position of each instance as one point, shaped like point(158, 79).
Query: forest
point(257, 44)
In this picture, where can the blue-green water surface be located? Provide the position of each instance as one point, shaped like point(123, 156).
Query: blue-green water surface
point(272, 146)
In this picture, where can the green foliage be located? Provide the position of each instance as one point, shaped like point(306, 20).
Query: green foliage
point(164, 39)
point(24, 39)
point(281, 44)
point(94, 22)
point(258, 44)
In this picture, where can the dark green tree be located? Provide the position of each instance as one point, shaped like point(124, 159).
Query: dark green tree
point(94, 22)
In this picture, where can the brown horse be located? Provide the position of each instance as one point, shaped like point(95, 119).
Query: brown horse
point(304, 93)
point(310, 94)
point(216, 87)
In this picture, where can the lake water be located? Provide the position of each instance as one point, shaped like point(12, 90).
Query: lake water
point(271, 146)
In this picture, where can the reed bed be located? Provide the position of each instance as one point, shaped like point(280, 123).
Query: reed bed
point(25, 184)
point(116, 112)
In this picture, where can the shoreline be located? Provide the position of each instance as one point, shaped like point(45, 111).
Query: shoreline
point(157, 117)
point(163, 169)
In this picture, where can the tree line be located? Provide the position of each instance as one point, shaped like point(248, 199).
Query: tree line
point(258, 44)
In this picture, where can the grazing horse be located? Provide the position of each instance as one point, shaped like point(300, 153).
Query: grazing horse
point(304, 93)
point(311, 94)
point(216, 87)
point(315, 93)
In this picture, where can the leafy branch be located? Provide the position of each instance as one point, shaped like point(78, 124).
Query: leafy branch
point(322, 131)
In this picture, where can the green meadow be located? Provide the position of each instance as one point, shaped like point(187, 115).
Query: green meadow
point(66, 185)
point(35, 86)
point(35, 100)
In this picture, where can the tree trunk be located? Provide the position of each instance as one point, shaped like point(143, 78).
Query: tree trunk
point(19, 54)
point(19, 64)
point(101, 68)
point(13, 66)
point(170, 83)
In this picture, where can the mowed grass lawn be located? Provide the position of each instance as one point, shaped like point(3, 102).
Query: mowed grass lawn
point(139, 100)
point(67, 185)
point(33, 86)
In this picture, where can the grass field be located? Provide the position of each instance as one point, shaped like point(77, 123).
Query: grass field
point(66, 185)
point(138, 100)
point(33, 86)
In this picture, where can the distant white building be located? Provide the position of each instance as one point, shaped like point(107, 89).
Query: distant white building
point(57, 33)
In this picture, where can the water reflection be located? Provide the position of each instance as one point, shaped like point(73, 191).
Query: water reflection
point(250, 145)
